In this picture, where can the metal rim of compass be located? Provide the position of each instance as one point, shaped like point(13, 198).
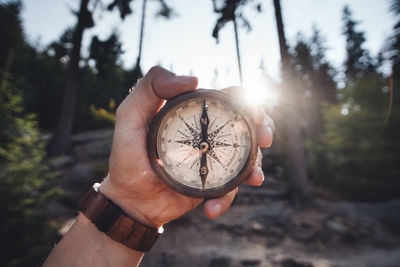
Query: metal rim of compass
point(173, 183)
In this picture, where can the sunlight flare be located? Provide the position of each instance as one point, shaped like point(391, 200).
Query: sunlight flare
point(258, 89)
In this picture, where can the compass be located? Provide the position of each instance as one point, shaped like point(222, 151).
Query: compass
point(202, 144)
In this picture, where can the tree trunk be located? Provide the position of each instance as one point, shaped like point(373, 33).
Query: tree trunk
point(300, 187)
point(62, 136)
point(141, 33)
point(238, 50)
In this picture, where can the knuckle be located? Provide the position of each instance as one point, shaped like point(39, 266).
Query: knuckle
point(155, 69)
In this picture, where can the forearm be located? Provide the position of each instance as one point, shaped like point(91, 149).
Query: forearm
point(85, 245)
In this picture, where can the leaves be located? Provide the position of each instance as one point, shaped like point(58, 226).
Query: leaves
point(122, 6)
point(229, 11)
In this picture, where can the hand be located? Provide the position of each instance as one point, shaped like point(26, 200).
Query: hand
point(132, 184)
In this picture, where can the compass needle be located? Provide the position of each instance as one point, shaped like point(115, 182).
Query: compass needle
point(207, 145)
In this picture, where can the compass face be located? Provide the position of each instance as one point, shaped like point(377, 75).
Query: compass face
point(201, 144)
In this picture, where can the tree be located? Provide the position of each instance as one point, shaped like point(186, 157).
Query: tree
point(62, 136)
point(230, 10)
point(395, 40)
point(165, 11)
point(102, 82)
point(105, 54)
point(313, 77)
point(324, 72)
point(300, 187)
point(361, 148)
point(358, 60)
point(26, 184)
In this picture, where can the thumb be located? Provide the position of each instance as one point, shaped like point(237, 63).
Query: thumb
point(149, 94)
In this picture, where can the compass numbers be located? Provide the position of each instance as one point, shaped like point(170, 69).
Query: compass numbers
point(181, 138)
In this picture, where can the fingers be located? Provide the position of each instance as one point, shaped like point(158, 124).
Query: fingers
point(265, 132)
point(149, 94)
point(233, 91)
point(256, 178)
point(214, 208)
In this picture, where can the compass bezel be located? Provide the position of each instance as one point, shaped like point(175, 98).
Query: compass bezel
point(154, 157)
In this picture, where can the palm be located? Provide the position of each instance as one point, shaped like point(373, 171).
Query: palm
point(131, 169)
point(132, 184)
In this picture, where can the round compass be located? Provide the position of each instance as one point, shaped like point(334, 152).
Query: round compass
point(202, 144)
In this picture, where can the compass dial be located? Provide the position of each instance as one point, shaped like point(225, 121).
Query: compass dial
point(201, 144)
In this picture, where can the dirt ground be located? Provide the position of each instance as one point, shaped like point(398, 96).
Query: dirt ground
point(262, 228)
point(264, 231)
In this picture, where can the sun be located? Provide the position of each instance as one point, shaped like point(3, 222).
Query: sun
point(259, 89)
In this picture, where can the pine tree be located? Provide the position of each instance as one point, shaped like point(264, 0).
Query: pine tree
point(26, 184)
point(358, 61)
point(300, 186)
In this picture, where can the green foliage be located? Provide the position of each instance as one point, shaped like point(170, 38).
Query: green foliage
point(38, 75)
point(26, 186)
point(358, 144)
point(10, 32)
point(102, 117)
point(102, 79)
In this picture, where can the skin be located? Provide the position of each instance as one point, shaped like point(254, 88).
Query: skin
point(134, 186)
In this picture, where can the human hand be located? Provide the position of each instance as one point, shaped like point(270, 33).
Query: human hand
point(132, 184)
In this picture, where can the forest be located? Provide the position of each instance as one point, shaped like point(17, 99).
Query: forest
point(337, 130)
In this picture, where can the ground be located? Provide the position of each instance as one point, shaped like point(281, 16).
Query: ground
point(262, 228)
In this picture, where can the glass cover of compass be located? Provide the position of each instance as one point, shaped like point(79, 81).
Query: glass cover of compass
point(202, 143)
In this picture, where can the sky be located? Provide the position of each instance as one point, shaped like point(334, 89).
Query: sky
point(184, 43)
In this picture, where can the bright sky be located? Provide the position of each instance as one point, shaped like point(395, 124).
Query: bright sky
point(184, 43)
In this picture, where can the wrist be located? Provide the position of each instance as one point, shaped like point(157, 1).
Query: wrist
point(110, 219)
point(133, 207)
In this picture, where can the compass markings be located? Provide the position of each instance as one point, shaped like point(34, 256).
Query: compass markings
point(212, 123)
point(214, 155)
point(216, 131)
point(185, 135)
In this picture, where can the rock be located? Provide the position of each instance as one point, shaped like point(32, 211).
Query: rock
point(336, 227)
point(96, 149)
point(289, 262)
point(272, 214)
point(386, 212)
point(250, 263)
point(61, 162)
point(80, 174)
point(220, 262)
point(89, 136)
point(305, 225)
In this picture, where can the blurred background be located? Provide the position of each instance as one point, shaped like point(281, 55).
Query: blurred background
point(327, 72)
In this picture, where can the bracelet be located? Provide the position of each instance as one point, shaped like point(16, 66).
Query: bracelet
point(112, 220)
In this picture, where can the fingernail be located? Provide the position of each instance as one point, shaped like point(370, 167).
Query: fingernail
point(258, 114)
point(186, 78)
